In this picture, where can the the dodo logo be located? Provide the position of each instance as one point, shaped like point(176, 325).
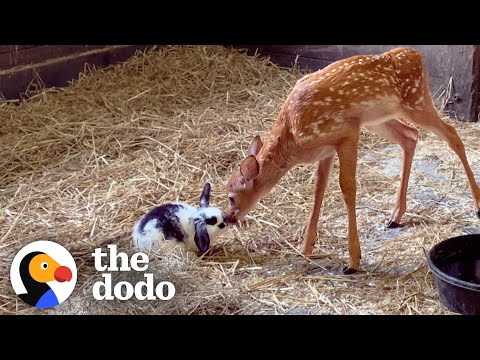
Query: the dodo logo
point(43, 274)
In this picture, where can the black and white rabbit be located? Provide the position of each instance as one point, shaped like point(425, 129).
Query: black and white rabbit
point(176, 223)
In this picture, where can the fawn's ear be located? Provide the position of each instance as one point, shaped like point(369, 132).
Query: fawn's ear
point(255, 146)
point(249, 168)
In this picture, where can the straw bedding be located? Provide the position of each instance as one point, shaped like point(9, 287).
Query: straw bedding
point(80, 165)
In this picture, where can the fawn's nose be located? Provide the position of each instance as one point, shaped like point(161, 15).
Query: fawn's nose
point(230, 217)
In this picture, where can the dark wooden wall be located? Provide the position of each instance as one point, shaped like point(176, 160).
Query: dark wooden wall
point(459, 63)
point(28, 67)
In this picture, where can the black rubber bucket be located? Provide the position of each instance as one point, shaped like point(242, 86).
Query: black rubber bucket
point(455, 262)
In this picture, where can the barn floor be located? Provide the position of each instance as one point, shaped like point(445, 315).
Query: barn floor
point(80, 165)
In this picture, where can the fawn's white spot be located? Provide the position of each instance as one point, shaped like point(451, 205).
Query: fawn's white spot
point(325, 116)
point(383, 81)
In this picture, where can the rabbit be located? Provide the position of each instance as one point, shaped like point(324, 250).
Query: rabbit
point(172, 224)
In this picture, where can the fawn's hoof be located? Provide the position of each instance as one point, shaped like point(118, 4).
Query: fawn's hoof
point(305, 250)
point(392, 225)
point(348, 270)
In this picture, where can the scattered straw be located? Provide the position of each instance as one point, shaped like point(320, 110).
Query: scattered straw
point(80, 165)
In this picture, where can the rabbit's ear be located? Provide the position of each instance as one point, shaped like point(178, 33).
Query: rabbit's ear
point(205, 197)
point(202, 239)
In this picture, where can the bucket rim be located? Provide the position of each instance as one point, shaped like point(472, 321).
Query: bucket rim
point(442, 275)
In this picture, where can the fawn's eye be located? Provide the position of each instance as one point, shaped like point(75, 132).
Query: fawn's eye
point(232, 201)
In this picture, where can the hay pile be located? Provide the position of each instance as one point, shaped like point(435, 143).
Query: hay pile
point(80, 165)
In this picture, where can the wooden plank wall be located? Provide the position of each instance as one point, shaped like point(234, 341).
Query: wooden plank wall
point(28, 67)
point(459, 63)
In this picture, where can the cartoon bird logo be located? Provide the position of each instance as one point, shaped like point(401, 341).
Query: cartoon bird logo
point(36, 270)
point(38, 278)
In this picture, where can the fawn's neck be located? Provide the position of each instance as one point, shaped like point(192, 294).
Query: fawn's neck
point(275, 159)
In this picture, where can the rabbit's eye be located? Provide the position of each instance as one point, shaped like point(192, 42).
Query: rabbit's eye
point(211, 221)
point(222, 225)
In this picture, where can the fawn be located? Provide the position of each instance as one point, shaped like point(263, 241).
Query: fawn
point(323, 116)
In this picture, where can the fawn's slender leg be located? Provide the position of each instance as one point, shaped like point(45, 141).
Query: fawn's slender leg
point(428, 119)
point(406, 137)
point(324, 168)
point(347, 154)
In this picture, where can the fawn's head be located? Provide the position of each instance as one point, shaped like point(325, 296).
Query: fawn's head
point(241, 191)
